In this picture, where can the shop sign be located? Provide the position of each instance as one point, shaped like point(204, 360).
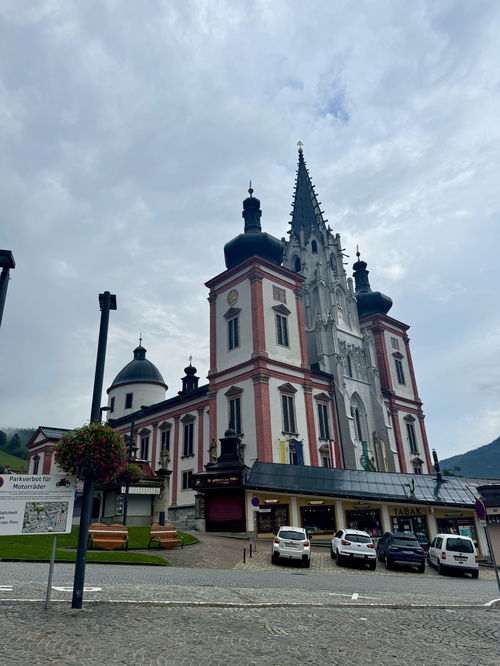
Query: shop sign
point(409, 511)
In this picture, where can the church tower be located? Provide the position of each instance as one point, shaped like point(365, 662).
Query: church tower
point(337, 345)
point(389, 338)
point(260, 382)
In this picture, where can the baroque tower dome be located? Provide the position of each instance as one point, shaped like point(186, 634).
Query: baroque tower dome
point(369, 302)
point(253, 241)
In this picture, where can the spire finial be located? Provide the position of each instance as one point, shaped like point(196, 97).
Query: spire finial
point(140, 339)
point(190, 359)
point(250, 188)
point(300, 144)
point(358, 253)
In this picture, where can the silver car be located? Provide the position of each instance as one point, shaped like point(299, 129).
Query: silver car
point(292, 543)
point(354, 545)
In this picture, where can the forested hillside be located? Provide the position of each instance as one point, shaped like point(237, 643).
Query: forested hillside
point(483, 463)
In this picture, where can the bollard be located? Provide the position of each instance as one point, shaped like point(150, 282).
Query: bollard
point(244, 555)
point(250, 550)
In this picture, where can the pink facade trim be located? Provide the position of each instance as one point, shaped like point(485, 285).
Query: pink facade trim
point(263, 418)
point(410, 365)
point(213, 336)
point(426, 445)
point(311, 428)
point(299, 304)
point(200, 439)
point(258, 328)
point(47, 461)
point(399, 441)
point(176, 460)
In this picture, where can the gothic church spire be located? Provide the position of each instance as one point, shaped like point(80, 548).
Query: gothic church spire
point(306, 213)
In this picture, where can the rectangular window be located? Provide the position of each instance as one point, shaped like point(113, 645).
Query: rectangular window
point(417, 468)
point(324, 430)
point(128, 400)
point(325, 461)
point(395, 343)
point(36, 464)
point(282, 330)
point(186, 480)
point(412, 438)
point(233, 333)
point(288, 408)
point(399, 371)
point(187, 449)
point(235, 415)
point(145, 448)
point(293, 457)
point(165, 440)
point(112, 405)
point(279, 294)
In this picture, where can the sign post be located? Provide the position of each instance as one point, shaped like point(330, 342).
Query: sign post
point(37, 504)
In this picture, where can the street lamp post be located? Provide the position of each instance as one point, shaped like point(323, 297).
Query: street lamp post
point(6, 263)
point(131, 449)
point(107, 302)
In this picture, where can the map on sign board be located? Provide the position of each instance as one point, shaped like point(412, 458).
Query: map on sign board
point(43, 517)
point(36, 504)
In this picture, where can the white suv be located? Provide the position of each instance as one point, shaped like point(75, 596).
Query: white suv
point(292, 543)
point(453, 551)
point(354, 545)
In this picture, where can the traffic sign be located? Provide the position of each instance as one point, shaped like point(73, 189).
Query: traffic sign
point(480, 509)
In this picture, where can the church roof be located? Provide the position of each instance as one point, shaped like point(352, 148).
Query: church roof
point(306, 211)
point(139, 370)
point(368, 302)
point(253, 241)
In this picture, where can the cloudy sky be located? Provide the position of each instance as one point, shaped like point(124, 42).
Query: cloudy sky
point(129, 131)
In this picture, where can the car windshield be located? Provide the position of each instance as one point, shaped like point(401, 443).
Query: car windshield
point(405, 541)
point(289, 534)
point(459, 546)
point(358, 538)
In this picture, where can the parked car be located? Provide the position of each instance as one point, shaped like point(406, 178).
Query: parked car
point(401, 548)
point(292, 543)
point(453, 552)
point(354, 546)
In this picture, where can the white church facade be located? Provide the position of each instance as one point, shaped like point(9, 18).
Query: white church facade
point(307, 369)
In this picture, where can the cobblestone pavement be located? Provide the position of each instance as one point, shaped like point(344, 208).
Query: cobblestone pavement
point(150, 634)
point(212, 552)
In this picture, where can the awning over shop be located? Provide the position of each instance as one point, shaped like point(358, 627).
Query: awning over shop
point(346, 483)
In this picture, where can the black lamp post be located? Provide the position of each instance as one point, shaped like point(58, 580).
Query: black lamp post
point(107, 302)
point(6, 263)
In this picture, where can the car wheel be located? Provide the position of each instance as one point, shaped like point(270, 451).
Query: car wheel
point(340, 559)
point(275, 558)
point(388, 563)
point(441, 570)
point(306, 562)
point(475, 574)
point(373, 565)
point(332, 554)
point(421, 568)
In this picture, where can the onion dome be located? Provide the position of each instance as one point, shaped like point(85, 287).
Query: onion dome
point(189, 381)
point(253, 241)
point(139, 370)
point(369, 302)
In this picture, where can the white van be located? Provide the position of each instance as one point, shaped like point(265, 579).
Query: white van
point(452, 551)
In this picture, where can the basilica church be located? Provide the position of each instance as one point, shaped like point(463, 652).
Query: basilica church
point(311, 414)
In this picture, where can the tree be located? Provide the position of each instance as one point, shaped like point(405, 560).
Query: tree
point(3, 440)
point(453, 471)
point(14, 445)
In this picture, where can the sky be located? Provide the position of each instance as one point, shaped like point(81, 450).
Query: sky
point(129, 132)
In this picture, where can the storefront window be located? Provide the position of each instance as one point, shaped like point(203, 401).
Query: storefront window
point(318, 519)
point(462, 526)
point(271, 518)
point(367, 520)
point(415, 524)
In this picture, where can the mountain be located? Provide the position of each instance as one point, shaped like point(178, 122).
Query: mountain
point(482, 463)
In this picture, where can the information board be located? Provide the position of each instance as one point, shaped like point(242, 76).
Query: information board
point(36, 504)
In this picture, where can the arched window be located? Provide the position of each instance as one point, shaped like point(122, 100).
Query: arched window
point(314, 247)
point(333, 264)
point(359, 417)
point(297, 265)
point(349, 366)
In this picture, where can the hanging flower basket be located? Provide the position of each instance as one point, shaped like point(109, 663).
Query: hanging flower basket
point(94, 449)
point(131, 473)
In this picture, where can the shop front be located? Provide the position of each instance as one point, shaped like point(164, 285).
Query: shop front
point(366, 518)
point(270, 517)
point(411, 519)
point(451, 522)
point(317, 517)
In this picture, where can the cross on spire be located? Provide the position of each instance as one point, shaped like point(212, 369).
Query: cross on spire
point(300, 144)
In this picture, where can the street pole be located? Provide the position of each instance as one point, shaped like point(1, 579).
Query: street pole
point(6, 263)
point(107, 302)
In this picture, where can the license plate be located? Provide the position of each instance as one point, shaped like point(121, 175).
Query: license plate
point(407, 552)
point(291, 545)
point(460, 559)
point(358, 555)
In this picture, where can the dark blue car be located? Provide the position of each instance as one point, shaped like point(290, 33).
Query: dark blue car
point(401, 548)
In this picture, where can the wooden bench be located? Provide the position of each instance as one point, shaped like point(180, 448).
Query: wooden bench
point(165, 536)
point(108, 537)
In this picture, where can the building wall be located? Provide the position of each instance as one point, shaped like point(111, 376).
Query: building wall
point(143, 394)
